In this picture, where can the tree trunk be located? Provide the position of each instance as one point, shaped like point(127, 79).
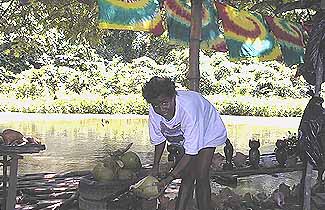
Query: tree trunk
point(195, 38)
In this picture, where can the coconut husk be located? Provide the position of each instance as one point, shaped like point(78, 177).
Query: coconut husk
point(146, 188)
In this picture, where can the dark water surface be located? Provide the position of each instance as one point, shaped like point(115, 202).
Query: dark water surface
point(77, 142)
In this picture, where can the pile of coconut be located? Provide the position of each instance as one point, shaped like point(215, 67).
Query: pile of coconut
point(125, 165)
point(119, 165)
point(282, 198)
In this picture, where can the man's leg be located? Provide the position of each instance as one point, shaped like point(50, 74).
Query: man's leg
point(186, 189)
point(203, 188)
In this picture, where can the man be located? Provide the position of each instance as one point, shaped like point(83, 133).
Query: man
point(187, 119)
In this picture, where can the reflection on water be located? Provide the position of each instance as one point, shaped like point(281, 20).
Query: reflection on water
point(76, 142)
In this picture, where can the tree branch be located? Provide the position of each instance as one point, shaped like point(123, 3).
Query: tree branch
point(297, 5)
point(259, 5)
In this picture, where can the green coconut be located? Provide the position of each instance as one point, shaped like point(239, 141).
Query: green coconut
point(126, 174)
point(110, 162)
point(104, 174)
point(131, 161)
point(146, 188)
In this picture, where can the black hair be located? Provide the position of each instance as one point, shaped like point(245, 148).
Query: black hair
point(158, 86)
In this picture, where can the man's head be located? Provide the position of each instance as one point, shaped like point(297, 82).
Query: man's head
point(160, 93)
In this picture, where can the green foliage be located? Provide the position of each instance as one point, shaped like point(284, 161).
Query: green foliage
point(258, 79)
point(71, 86)
point(129, 45)
point(35, 33)
point(252, 106)
point(131, 104)
point(51, 51)
point(42, 32)
point(135, 104)
point(73, 75)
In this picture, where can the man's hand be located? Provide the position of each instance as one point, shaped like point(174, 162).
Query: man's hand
point(163, 184)
point(154, 171)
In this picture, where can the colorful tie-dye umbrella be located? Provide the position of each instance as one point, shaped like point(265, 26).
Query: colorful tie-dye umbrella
point(179, 24)
point(247, 35)
point(290, 37)
point(135, 15)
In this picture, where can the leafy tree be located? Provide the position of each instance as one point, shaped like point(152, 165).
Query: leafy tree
point(31, 30)
point(34, 28)
point(65, 33)
point(38, 26)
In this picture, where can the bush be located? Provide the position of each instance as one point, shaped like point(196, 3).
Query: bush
point(135, 104)
point(76, 86)
point(116, 77)
point(264, 107)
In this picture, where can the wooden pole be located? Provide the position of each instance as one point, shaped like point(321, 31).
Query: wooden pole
point(308, 170)
point(307, 176)
point(4, 178)
point(11, 197)
point(195, 38)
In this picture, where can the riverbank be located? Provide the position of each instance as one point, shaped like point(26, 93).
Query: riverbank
point(238, 105)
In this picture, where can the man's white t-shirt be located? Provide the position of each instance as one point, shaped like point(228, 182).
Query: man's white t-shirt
point(196, 124)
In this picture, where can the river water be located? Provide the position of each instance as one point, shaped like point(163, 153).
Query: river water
point(77, 142)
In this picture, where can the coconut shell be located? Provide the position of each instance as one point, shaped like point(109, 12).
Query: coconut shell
point(109, 162)
point(131, 161)
point(104, 174)
point(126, 174)
point(146, 188)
